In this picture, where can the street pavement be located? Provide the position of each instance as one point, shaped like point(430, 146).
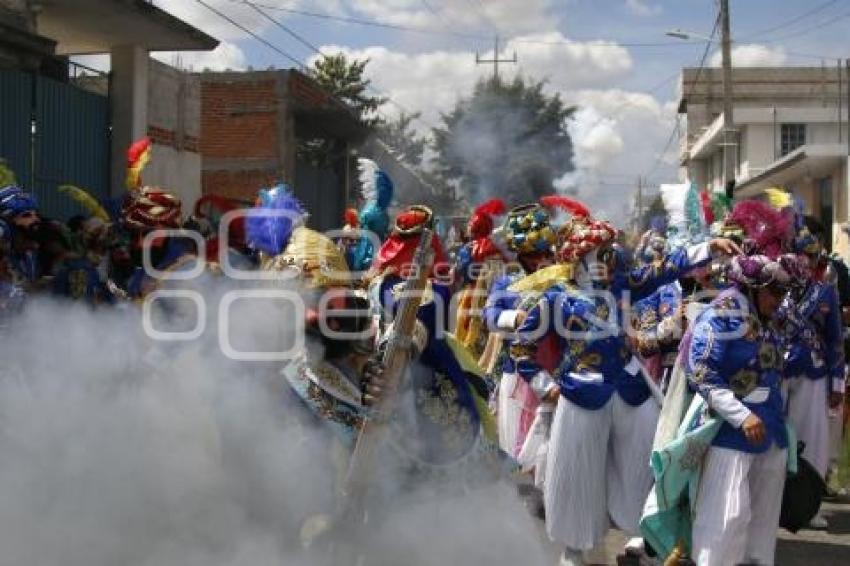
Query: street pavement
point(806, 548)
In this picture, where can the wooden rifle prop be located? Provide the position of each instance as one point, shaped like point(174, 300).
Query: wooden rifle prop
point(394, 360)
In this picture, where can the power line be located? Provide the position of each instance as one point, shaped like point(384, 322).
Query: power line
point(284, 28)
point(676, 125)
point(271, 46)
point(806, 31)
point(449, 33)
point(792, 21)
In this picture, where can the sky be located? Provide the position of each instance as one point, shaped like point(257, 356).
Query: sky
point(610, 58)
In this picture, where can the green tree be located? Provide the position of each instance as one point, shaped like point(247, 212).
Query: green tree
point(344, 79)
point(400, 135)
point(508, 139)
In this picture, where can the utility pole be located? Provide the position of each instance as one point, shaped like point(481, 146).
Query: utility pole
point(495, 60)
point(729, 138)
point(639, 216)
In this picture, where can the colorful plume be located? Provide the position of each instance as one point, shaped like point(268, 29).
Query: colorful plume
point(377, 192)
point(558, 202)
point(779, 198)
point(137, 157)
point(766, 228)
point(270, 224)
point(86, 201)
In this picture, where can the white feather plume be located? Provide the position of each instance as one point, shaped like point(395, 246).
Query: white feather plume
point(368, 179)
point(674, 197)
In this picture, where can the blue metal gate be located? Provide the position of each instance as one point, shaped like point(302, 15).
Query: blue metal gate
point(54, 133)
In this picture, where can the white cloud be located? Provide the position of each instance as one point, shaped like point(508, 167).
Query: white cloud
point(753, 55)
point(431, 82)
point(617, 134)
point(509, 16)
point(643, 8)
point(226, 56)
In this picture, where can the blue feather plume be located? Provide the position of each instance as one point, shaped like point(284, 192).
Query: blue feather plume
point(270, 233)
point(377, 191)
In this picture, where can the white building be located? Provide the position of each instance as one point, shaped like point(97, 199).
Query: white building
point(791, 125)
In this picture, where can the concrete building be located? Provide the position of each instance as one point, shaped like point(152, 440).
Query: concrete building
point(143, 96)
point(791, 126)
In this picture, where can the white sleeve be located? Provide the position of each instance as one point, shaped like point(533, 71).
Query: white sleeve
point(699, 253)
point(507, 320)
point(728, 407)
point(542, 383)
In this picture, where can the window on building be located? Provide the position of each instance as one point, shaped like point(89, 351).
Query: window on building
point(792, 137)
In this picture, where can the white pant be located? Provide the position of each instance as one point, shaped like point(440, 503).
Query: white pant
point(509, 413)
point(597, 468)
point(808, 413)
point(738, 506)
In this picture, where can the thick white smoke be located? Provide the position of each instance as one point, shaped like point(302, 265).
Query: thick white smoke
point(119, 450)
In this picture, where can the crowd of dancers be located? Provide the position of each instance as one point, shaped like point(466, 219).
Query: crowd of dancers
point(663, 388)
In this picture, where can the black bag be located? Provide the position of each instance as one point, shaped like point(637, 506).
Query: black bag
point(802, 496)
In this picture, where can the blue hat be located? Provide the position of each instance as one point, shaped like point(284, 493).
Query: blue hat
point(14, 201)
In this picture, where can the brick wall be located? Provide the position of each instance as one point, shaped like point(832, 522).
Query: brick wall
point(241, 184)
point(239, 119)
point(239, 134)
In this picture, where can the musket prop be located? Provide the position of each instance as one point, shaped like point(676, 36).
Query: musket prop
point(395, 359)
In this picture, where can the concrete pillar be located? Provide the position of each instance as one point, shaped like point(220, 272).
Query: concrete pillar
point(129, 96)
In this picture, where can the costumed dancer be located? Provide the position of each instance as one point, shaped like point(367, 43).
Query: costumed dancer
point(442, 411)
point(814, 363)
point(660, 319)
point(597, 467)
point(377, 190)
point(206, 220)
point(144, 210)
point(20, 222)
point(530, 236)
point(85, 273)
point(734, 361)
point(736, 339)
point(476, 265)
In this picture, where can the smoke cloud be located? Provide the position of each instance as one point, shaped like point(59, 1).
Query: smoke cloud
point(120, 450)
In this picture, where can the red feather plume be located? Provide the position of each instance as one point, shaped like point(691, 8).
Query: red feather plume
point(493, 207)
point(351, 218)
point(567, 204)
point(705, 203)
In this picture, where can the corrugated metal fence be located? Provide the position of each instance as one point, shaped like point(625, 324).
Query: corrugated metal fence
point(53, 133)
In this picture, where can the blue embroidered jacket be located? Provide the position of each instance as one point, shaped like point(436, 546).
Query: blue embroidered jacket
point(501, 306)
point(597, 361)
point(814, 334)
point(649, 313)
point(734, 361)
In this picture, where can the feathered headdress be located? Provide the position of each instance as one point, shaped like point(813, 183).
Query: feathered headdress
point(351, 220)
point(137, 157)
point(269, 225)
point(151, 208)
point(14, 201)
point(766, 231)
point(7, 176)
point(481, 222)
point(792, 208)
point(86, 200)
point(377, 190)
point(566, 204)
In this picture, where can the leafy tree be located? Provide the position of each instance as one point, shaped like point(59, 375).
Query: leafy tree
point(344, 79)
point(508, 139)
point(400, 135)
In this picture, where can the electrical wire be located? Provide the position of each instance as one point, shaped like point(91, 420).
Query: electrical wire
point(268, 44)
